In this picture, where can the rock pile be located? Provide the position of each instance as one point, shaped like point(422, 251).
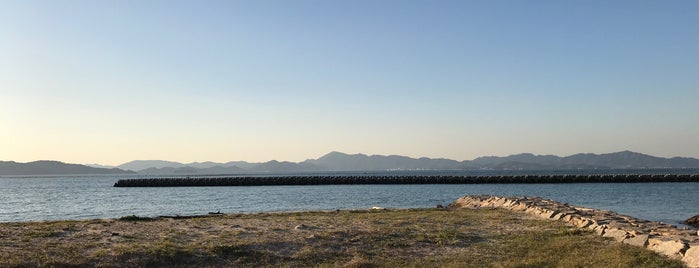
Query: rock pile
point(662, 238)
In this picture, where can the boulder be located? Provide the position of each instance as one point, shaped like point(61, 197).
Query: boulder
point(691, 257)
point(638, 240)
point(567, 218)
point(600, 229)
point(580, 222)
point(670, 248)
point(547, 214)
point(558, 216)
point(520, 207)
point(693, 221)
point(617, 234)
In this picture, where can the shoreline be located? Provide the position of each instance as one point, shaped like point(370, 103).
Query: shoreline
point(379, 237)
point(666, 239)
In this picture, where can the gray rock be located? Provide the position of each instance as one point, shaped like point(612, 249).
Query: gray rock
point(617, 234)
point(639, 240)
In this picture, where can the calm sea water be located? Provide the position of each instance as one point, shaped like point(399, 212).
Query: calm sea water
point(58, 198)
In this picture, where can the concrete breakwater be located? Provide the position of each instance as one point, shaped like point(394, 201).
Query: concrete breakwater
point(665, 239)
point(397, 179)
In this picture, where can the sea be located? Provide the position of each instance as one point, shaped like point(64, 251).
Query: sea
point(47, 198)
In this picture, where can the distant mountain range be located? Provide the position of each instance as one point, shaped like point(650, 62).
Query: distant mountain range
point(53, 168)
point(336, 161)
point(619, 160)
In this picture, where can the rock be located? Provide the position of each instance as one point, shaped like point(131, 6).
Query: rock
point(600, 229)
point(662, 238)
point(693, 221)
point(547, 214)
point(567, 218)
point(520, 207)
point(617, 234)
point(559, 216)
point(670, 248)
point(498, 202)
point(592, 226)
point(691, 257)
point(639, 240)
point(580, 222)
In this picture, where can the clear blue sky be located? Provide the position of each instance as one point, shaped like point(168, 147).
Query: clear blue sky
point(112, 81)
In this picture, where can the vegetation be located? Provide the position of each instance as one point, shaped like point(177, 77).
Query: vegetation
point(373, 238)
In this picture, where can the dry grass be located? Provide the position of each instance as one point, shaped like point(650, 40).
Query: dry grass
point(391, 238)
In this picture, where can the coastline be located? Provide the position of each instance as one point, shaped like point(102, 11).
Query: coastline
point(669, 240)
point(353, 238)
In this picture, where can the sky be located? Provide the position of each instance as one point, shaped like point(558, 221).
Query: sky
point(113, 81)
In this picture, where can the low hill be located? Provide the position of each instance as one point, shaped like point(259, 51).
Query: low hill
point(52, 168)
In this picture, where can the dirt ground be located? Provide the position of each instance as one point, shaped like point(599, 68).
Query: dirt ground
point(361, 238)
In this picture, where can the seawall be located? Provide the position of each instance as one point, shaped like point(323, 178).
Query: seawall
point(662, 238)
point(398, 179)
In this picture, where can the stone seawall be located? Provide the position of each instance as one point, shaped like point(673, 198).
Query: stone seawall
point(399, 179)
point(662, 238)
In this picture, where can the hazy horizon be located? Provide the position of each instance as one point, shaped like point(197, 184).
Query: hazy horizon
point(108, 82)
point(316, 157)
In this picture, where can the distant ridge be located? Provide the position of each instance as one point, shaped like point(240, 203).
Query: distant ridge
point(338, 161)
point(137, 165)
point(53, 168)
point(618, 160)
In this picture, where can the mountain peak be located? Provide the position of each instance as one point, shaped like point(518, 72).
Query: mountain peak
point(335, 153)
point(626, 152)
point(339, 155)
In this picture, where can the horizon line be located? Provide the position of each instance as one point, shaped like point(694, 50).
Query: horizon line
point(334, 151)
